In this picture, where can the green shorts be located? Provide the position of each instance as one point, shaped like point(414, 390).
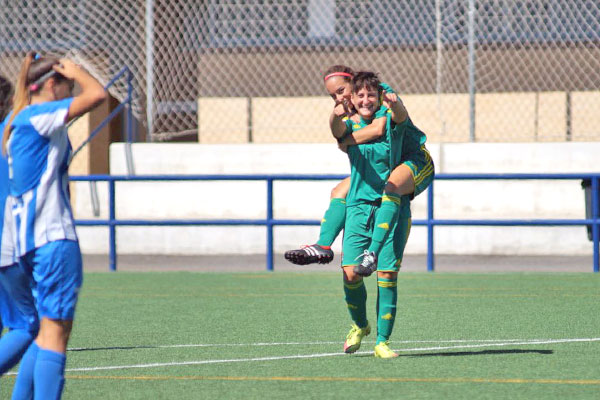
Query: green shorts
point(359, 229)
point(421, 165)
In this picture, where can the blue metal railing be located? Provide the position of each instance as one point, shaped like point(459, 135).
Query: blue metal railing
point(270, 222)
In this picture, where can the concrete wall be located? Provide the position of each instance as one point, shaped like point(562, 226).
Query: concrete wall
point(471, 199)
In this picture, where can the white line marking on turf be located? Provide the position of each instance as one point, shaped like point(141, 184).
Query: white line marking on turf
point(265, 344)
point(320, 355)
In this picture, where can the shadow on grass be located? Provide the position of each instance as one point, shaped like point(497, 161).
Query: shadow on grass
point(113, 348)
point(465, 353)
point(478, 353)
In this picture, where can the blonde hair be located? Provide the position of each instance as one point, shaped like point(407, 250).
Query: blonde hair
point(33, 68)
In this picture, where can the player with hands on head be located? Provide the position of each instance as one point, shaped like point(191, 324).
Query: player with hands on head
point(38, 148)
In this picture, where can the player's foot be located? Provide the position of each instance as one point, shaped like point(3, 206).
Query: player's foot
point(310, 255)
point(382, 350)
point(354, 338)
point(368, 265)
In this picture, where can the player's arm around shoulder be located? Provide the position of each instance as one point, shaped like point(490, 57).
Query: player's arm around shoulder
point(369, 133)
point(92, 93)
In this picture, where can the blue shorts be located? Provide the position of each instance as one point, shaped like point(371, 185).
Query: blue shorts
point(17, 305)
point(57, 270)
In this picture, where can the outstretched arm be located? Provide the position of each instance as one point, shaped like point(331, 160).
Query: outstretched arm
point(393, 102)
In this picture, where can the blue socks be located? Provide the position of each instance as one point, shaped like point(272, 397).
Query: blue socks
point(47, 368)
point(12, 347)
point(23, 389)
point(49, 374)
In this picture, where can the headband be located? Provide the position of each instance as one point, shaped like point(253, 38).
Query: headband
point(39, 81)
point(337, 74)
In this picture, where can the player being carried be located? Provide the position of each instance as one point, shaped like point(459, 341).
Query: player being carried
point(411, 174)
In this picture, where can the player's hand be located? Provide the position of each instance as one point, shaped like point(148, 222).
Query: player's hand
point(389, 99)
point(67, 68)
point(341, 108)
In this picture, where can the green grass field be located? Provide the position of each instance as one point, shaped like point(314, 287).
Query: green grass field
point(184, 335)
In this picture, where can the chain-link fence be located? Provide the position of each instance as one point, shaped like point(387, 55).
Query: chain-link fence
point(239, 71)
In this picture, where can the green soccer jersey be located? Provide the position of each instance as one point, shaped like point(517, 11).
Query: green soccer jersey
point(371, 163)
point(415, 138)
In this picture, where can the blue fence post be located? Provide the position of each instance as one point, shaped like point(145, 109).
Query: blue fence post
point(112, 229)
point(595, 225)
point(269, 224)
point(430, 257)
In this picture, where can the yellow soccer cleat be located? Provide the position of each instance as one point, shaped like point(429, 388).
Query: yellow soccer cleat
point(382, 350)
point(354, 338)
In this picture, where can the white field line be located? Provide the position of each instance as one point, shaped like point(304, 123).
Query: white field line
point(320, 355)
point(265, 344)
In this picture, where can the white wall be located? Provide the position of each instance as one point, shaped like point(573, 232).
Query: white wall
point(308, 200)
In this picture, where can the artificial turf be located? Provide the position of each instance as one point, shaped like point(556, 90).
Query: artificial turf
point(186, 335)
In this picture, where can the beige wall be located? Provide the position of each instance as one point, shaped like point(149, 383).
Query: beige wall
point(500, 117)
point(93, 158)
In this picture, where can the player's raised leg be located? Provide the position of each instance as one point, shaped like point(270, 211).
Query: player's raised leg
point(331, 226)
point(400, 183)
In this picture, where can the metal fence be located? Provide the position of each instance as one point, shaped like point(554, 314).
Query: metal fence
point(468, 70)
point(269, 222)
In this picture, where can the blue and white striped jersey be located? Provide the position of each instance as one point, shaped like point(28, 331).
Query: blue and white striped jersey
point(7, 248)
point(38, 154)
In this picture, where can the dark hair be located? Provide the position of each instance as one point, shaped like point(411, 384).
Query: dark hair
point(334, 69)
point(35, 70)
point(5, 93)
point(366, 79)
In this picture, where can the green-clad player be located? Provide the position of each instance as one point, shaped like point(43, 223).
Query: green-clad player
point(400, 174)
point(371, 209)
point(371, 165)
point(410, 176)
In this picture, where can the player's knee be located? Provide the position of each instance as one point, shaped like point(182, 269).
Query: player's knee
point(387, 275)
point(338, 193)
point(351, 277)
point(391, 187)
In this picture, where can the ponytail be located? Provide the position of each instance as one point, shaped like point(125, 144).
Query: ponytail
point(20, 99)
point(35, 71)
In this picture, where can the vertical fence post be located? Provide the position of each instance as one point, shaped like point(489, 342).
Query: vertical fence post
point(112, 231)
point(149, 69)
point(595, 225)
point(129, 106)
point(430, 259)
point(269, 224)
point(471, 67)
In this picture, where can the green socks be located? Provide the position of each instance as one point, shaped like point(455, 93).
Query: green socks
point(333, 222)
point(387, 295)
point(386, 217)
point(356, 299)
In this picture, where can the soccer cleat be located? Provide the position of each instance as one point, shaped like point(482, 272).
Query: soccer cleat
point(309, 255)
point(382, 350)
point(368, 265)
point(354, 338)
